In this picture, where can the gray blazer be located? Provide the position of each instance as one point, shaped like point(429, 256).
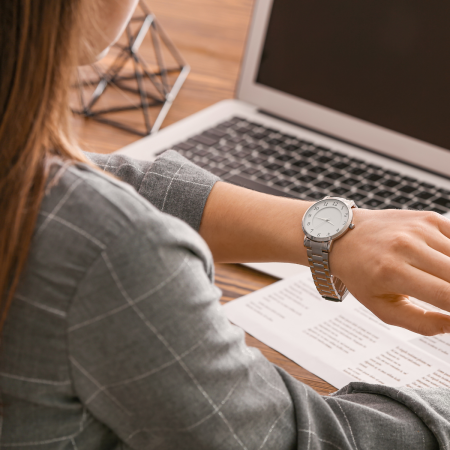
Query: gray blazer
point(116, 338)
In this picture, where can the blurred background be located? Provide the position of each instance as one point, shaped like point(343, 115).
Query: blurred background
point(209, 35)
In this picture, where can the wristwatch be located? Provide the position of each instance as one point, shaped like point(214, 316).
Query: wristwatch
point(324, 222)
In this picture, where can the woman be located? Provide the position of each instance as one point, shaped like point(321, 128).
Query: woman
point(112, 333)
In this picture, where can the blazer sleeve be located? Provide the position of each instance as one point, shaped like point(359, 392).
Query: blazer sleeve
point(155, 359)
point(171, 183)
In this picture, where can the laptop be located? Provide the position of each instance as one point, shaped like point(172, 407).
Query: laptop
point(344, 98)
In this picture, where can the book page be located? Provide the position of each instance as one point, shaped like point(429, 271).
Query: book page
point(339, 342)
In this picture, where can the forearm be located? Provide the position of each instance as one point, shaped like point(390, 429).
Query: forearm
point(241, 225)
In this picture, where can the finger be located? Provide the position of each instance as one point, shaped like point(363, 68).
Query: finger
point(419, 284)
point(439, 242)
point(400, 312)
point(441, 222)
point(432, 262)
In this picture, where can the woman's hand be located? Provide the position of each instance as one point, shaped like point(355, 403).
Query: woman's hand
point(394, 254)
point(389, 256)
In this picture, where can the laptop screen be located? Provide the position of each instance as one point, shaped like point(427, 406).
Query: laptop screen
point(383, 61)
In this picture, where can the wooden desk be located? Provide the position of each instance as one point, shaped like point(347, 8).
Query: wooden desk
point(210, 34)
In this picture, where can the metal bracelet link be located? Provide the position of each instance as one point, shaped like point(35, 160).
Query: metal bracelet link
point(329, 286)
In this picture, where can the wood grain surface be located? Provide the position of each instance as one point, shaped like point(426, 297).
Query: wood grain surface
point(210, 34)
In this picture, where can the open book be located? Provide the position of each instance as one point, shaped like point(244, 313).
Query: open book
point(340, 342)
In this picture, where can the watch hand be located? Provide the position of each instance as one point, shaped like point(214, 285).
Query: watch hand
point(327, 220)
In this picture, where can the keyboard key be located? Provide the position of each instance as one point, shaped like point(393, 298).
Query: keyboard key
point(225, 148)
point(283, 183)
point(427, 185)
point(357, 196)
point(301, 163)
point(373, 202)
point(438, 210)
point(316, 195)
point(217, 158)
point(274, 141)
point(218, 171)
point(215, 133)
point(300, 189)
point(225, 125)
point(442, 201)
point(374, 167)
point(407, 189)
point(401, 200)
point(357, 171)
point(418, 205)
point(290, 147)
point(444, 191)
point(250, 170)
point(236, 140)
point(257, 135)
point(307, 153)
point(205, 140)
point(374, 177)
point(273, 166)
point(306, 178)
point(324, 159)
point(384, 194)
point(290, 172)
point(323, 184)
point(243, 130)
point(184, 146)
point(253, 146)
point(271, 130)
point(409, 180)
point(357, 161)
point(268, 151)
point(340, 190)
point(333, 175)
point(200, 152)
point(391, 173)
point(341, 165)
point(391, 183)
point(283, 158)
point(317, 169)
point(234, 165)
point(202, 164)
point(350, 181)
point(257, 160)
point(266, 176)
point(367, 187)
point(244, 154)
point(424, 195)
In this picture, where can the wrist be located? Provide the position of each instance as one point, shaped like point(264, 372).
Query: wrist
point(343, 248)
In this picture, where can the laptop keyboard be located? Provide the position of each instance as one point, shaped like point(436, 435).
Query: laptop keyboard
point(264, 159)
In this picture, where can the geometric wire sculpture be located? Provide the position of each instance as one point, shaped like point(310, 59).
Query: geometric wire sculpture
point(154, 85)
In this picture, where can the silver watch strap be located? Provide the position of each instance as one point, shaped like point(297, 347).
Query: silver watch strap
point(329, 286)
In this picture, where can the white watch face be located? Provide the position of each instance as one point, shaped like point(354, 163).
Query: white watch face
point(327, 219)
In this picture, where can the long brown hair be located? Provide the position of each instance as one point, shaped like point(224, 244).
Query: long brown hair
point(38, 52)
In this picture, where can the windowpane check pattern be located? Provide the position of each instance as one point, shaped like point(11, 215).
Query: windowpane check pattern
point(116, 338)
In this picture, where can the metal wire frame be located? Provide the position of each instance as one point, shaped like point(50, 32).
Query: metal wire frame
point(165, 93)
